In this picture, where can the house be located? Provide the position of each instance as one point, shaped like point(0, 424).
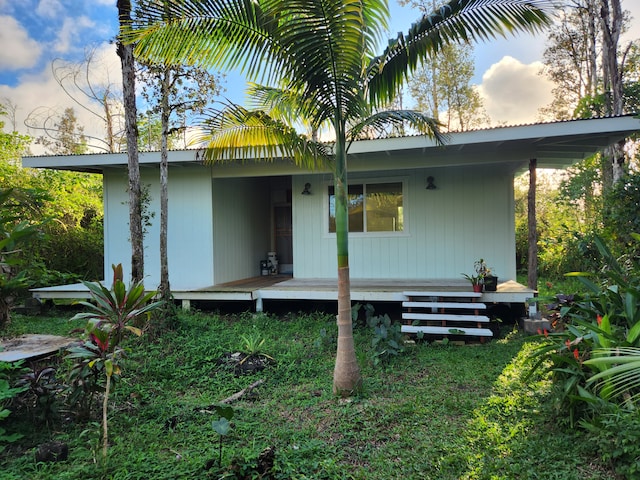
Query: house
point(421, 215)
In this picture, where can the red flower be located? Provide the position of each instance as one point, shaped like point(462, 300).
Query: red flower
point(546, 332)
point(599, 320)
point(539, 332)
point(576, 354)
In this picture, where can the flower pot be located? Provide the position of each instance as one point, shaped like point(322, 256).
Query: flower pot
point(477, 288)
point(490, 283)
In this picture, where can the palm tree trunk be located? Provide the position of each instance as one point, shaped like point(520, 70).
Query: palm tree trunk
point(346, 375)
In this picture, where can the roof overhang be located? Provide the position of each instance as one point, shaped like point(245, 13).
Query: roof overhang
point(553, 145)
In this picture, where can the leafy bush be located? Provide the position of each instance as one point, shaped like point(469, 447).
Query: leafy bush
point(7, 392)
point(14, 233)
point(590, 330)
point(616, 435)
point(387, 341)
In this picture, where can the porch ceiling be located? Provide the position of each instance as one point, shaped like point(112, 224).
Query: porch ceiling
point(554, 145)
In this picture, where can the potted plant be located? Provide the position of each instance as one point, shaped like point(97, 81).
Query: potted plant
point(476, 281)
point(489, 280)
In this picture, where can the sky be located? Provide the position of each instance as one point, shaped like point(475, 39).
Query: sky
point(35, 33)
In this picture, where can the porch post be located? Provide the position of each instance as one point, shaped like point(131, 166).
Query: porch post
point(532, 270)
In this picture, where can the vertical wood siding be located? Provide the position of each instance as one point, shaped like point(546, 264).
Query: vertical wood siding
point(190, 230)
point(469, 216)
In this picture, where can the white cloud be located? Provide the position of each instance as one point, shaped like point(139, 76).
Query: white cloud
point(18, 49)
point(513, 92)
point(41, 93)
point(70, 32)
point(49, 8)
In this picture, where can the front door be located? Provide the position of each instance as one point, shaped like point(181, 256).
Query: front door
point(283, 222)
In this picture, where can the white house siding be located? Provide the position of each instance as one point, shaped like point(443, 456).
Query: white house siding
point(469, 216)
point(190, 230)
point(241, 229)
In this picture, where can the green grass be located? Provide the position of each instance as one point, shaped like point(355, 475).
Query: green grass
point(435, 412)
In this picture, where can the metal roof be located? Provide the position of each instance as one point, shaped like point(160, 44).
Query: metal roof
point(553, 144)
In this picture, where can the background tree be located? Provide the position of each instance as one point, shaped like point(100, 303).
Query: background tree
point(63, 135)
point(172, 92)
point(321, 52)
point(442, 86)
point(443, 89)
point(88, 85)
point(583, 206)
point(589, 68)
point(69, 207)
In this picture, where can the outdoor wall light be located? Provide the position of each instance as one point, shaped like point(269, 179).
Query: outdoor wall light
point(430, 184)
point(307, 189)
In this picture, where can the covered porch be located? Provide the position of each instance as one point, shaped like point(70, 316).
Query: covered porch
point(275, 289)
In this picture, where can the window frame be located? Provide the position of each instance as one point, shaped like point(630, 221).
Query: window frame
point(404, 181)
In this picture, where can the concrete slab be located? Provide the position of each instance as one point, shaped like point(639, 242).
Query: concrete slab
point(29, 346)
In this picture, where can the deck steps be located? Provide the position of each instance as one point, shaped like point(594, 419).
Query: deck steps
point(445, 313)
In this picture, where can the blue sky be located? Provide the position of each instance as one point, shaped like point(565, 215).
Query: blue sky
point(34, 32)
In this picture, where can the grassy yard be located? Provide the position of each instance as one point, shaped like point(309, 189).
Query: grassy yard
point(434, 412)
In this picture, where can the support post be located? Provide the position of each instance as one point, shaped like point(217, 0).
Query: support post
point(532, 225)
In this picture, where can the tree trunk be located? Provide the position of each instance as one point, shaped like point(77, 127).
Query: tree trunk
point(105, 408)
point(611, 22)
point(165, 290)
point(346, 375)
point(125, 52)
point(532, 271)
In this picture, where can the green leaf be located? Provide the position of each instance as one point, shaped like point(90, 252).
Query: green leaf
point(225, 411)
point(221, 426)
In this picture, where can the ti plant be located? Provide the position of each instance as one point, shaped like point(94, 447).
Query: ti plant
point(222, 426)
point(113, 316)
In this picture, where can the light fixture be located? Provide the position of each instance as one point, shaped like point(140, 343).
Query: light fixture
point(430, 184)
point(307, 189)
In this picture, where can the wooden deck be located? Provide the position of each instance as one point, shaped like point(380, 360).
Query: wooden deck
point(284, 287)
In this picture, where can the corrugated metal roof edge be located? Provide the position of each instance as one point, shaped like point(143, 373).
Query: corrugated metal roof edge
point(483, 129)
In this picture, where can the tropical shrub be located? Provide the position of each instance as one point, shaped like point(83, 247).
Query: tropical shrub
point(387, 341)
point(616, 436)
point(113, 316)
point(591, 332)
point(8, 392)
point(14, 233)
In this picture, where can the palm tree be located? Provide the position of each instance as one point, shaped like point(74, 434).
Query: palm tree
point(321, 56)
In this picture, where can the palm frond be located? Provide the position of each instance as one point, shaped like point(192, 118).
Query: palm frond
point(414, 119)
point(238, 134)
point(226, 34)
point(284, 104)
point(457, 21)
point(620, 371)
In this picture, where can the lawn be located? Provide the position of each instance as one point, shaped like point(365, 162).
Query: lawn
point(433, 412)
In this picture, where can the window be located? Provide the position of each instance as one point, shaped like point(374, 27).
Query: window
point(372, 207)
